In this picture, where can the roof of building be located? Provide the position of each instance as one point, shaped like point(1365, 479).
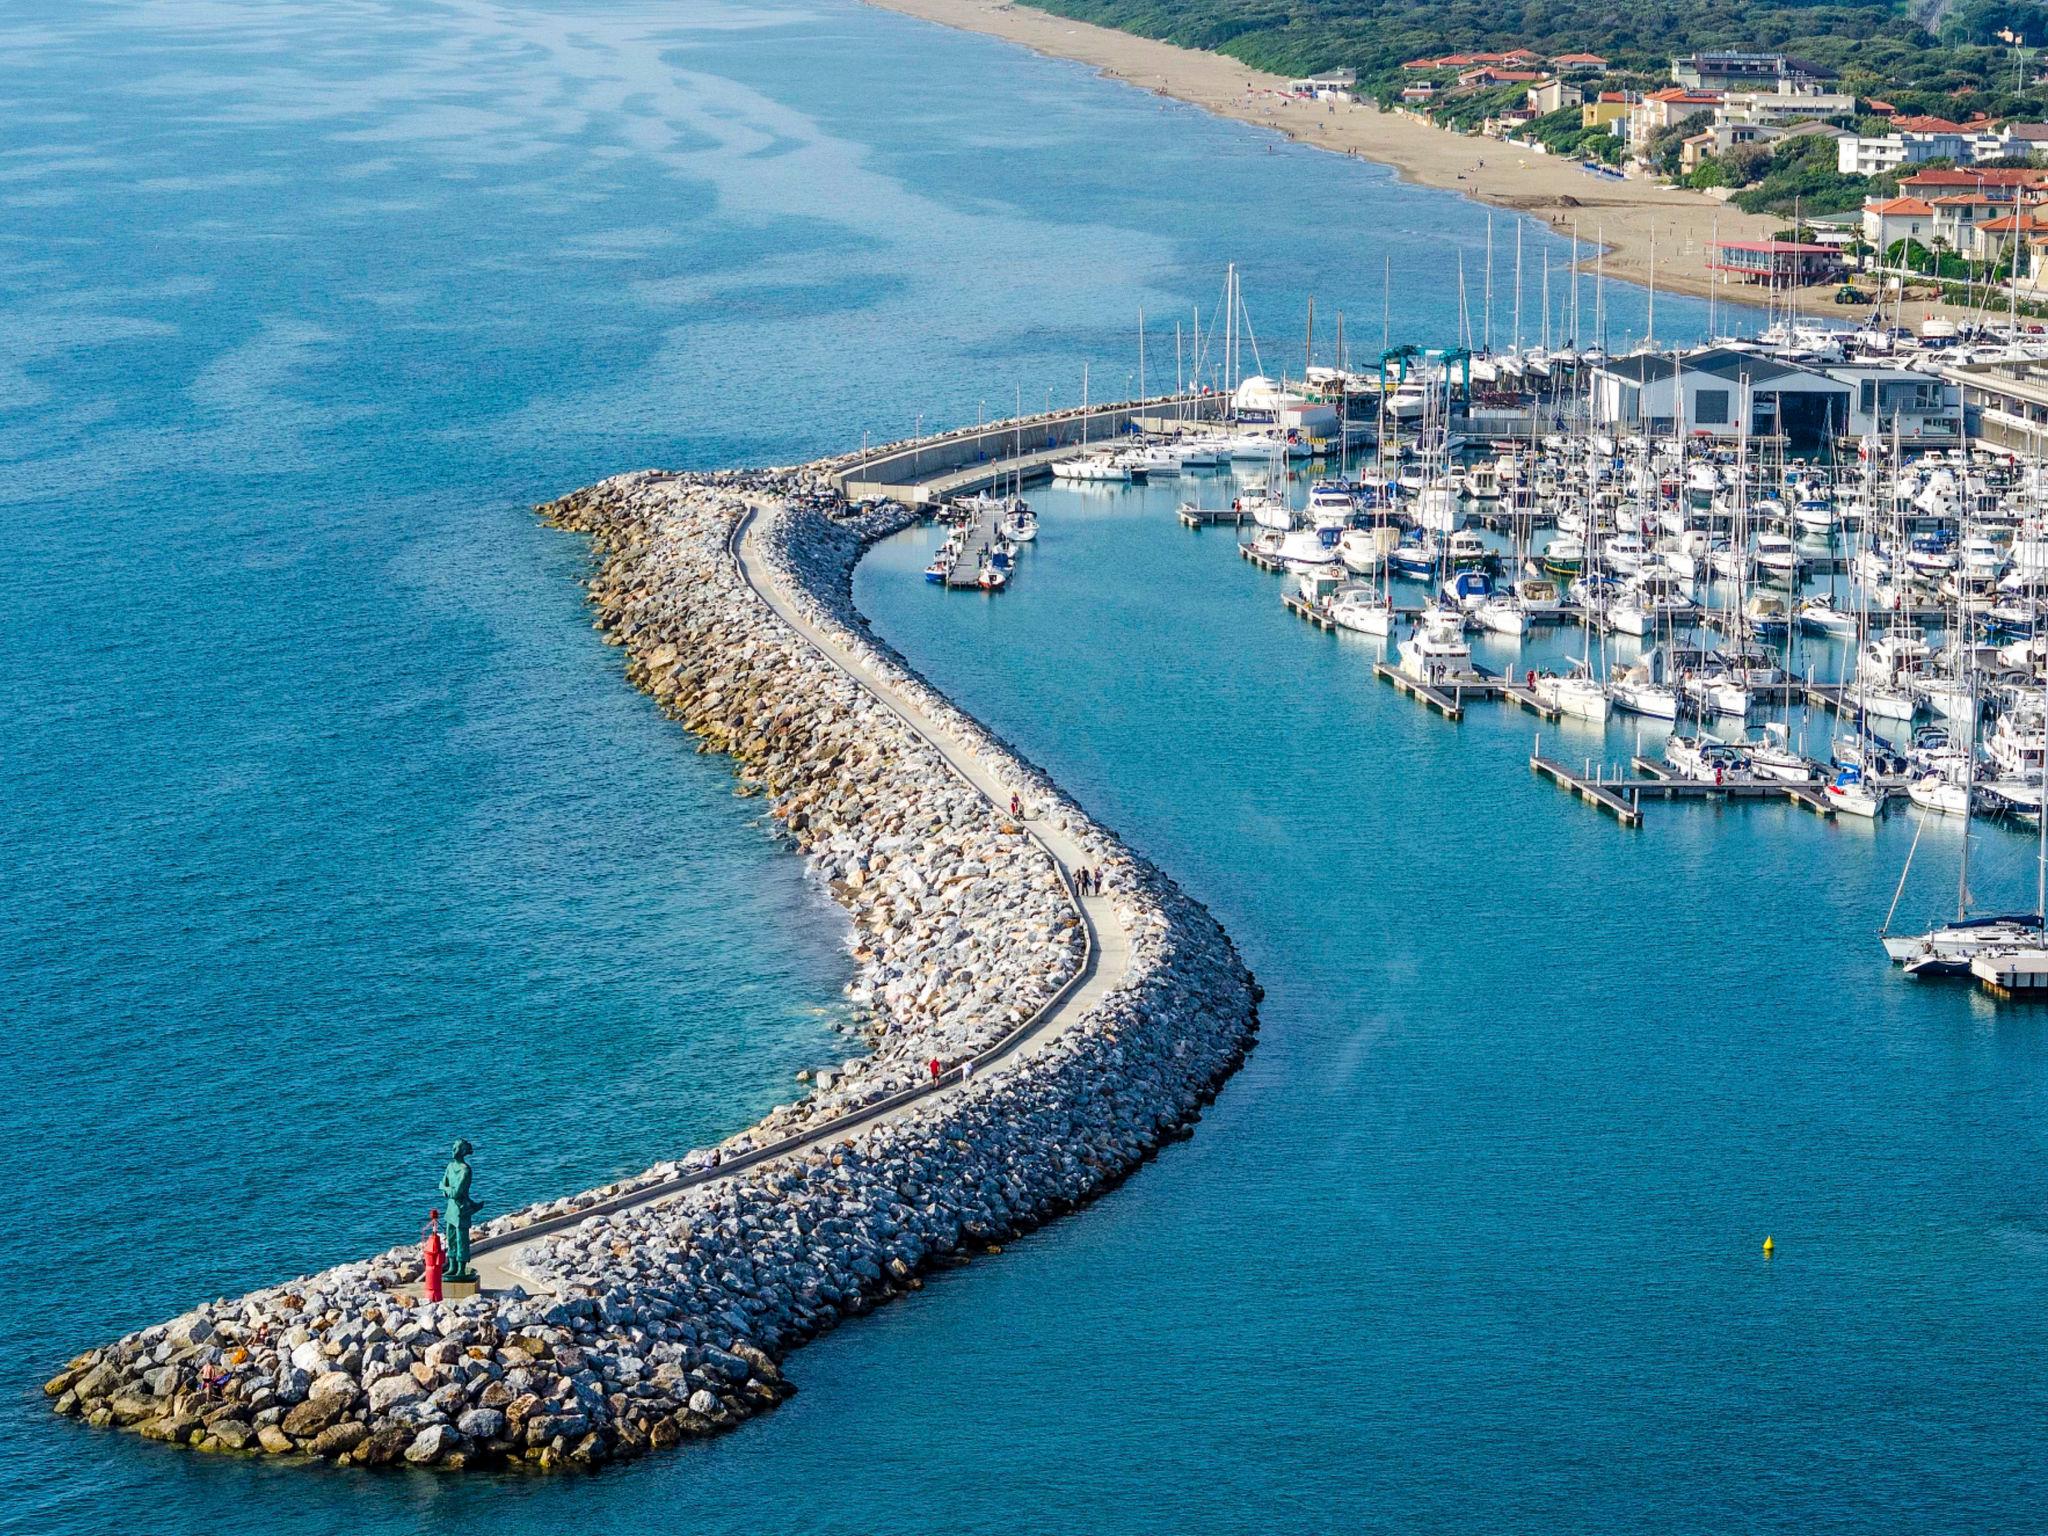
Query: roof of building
point(1938, 125)
point(1679, 94)
point(2033, 223)
point(2032, 133)
point(1773, 247)
point(1900, 207)
point(1730, 363)
point(1979, 176)
point(1578, 58)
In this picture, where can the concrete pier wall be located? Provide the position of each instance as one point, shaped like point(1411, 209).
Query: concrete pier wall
point(963, 458)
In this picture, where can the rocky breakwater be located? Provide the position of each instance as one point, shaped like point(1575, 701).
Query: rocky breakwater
point(667, 1309)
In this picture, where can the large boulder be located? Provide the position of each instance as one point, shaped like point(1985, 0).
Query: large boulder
point(389, 1392)
point(431, 1444)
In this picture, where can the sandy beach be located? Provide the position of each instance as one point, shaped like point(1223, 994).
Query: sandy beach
point(1627, 216)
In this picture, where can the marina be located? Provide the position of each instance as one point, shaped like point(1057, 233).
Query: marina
point(320, 760)
point(1878, 601)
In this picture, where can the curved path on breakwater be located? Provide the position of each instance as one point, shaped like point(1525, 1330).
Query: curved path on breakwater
point(500, 1260)
point(660, 1307)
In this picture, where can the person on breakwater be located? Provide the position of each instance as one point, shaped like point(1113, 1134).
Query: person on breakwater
point(935, 1069)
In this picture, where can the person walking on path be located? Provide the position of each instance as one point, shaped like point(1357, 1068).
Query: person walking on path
point(935, 1069)
point(1016, 805)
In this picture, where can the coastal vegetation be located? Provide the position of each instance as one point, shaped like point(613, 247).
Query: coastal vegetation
point(1957, 65)
point(1897, 59)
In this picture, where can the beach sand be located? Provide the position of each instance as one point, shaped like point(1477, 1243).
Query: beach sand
point(1624, 215)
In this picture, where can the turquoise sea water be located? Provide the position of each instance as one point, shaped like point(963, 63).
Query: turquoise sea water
point(333, 832)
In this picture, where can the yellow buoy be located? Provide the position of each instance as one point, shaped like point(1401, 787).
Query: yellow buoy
point(1769, 1247)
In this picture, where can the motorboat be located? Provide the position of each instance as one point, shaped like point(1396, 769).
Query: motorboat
point(1820, 616)
point(1467, 551)
point(1307, 549)
point(1096, 468)
point(1779, 558)
point(1435, 648)
point(1565, 555)
point(1364, 550)
point(1415, 555)
point(1362, 608)
point(1466, 590)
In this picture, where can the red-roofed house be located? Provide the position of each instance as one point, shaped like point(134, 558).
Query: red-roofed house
point(1486, 76)
point(1988, 177)
point(1886, 221)
point(1658, 110)
point(1577, 63)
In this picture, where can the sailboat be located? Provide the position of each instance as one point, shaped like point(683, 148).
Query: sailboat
point(1949, 949)
point(1578, 693)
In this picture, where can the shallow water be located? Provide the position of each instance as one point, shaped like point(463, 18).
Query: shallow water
point(335, 833)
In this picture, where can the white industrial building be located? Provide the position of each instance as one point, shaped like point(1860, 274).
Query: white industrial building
point(1705, 392)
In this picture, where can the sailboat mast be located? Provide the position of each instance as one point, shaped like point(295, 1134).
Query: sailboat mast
point(1141, 351)
point(1969, 791)
point(1650, 325)
point(1487, 329)
point(1518, 287)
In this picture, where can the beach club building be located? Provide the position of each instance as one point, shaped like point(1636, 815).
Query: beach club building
point(1777, 262)
point(1653, 392)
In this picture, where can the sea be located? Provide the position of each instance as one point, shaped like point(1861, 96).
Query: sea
point(333, 832)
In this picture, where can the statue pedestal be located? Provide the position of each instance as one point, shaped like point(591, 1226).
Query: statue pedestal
point(455, 1290)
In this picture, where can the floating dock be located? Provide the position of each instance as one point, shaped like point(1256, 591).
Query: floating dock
point(1450, 705)
point(1587, 787)
point(1622, 796)
point(2019, 973)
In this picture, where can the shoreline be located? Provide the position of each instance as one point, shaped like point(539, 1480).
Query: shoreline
point(1622, 215)
point(659, 1309)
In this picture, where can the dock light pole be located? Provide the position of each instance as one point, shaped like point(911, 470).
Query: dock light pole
point(981, 413)
point(917, 450)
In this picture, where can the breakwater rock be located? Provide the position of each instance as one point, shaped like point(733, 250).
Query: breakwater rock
point(629, 1317)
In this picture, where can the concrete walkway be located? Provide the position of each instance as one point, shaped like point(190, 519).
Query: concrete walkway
point(498, 1260)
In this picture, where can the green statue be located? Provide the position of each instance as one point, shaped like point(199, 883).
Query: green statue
point(459, 1208)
